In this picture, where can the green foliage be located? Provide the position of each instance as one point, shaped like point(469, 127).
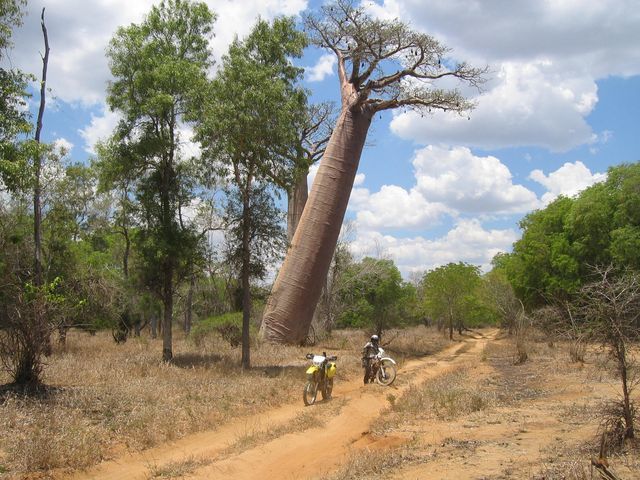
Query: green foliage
point(14, 114)
point(561, 243)
point(160, 68)
point(453, 293)
point(247, 127)
point(372, 292)
point(228, 326)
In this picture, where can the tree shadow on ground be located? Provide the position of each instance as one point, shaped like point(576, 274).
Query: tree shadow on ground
point(273, 371)
point(196, 360)
point(37, 391)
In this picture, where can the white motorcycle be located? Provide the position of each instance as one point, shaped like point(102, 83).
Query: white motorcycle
point(384, 368)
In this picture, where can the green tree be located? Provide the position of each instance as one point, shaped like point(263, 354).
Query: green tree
point(561, 243)
point(372, 290)
point(450, 293)
point(382, 65)
point(247, 129)
point(14, 117)
point(542, 265)
point(160, 74)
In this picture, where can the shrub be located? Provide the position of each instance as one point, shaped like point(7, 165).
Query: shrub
point(228, 326)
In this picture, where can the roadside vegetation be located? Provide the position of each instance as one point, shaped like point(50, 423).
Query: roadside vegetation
point(134, 286)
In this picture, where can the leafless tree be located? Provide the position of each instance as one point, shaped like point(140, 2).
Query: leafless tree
point(610, 310)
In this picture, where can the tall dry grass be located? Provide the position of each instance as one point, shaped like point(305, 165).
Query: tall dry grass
point(105, 399)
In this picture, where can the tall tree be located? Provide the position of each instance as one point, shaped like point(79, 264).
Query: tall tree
point(371, 290)
point(449, 292)
point(382, 65)
point(313, 132)
point(160, 69)
point(247, 131)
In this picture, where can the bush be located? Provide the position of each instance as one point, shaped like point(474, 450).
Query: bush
point(228, 326)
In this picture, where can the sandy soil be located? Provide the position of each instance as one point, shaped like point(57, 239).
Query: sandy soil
point(526, 437)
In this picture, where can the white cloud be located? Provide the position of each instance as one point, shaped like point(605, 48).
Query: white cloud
point(467, 242)
point(546, 57)
point(188, 148)
point(100, 128)
point(530, 104)
point(596, 38)
point(322, 69)
point(468, 183)
point(63, 146)
point(568, 180)
point(394, 207)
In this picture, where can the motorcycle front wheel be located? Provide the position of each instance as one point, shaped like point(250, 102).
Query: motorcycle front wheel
point(386, 373)
point(328, 388)
point(310, 393)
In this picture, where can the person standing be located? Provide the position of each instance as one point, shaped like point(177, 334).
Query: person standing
point(370, 350)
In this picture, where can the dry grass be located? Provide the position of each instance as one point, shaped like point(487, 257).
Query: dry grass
point(104, 399)
point(448, 396)
point(377, 463)
point(177, 469)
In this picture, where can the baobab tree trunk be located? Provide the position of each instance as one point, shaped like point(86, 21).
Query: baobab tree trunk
point(297, 288)
point(297, 200)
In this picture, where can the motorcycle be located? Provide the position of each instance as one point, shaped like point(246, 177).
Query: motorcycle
point(383, 368)
point(319, 377)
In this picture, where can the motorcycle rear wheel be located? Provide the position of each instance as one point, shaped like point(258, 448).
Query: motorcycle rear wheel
point(386, 373)
point(328, 388)
point(310, 393)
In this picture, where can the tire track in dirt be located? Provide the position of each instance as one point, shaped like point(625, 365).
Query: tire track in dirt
point(295, 455)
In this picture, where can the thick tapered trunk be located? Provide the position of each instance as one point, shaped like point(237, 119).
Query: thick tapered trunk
point(297, 288)
point(297, 199)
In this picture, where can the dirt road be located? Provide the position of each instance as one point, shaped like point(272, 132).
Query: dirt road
point(308, 454)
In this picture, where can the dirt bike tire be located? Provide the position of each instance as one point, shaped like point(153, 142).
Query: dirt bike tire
point(386, 373)
point(310, 393)
point(328, 388)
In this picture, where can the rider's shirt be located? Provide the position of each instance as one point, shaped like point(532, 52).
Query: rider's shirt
point(370, 350)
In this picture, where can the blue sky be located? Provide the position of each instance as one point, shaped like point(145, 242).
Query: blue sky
point(562, 104)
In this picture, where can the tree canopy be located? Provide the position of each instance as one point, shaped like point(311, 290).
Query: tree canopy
point(562, 243)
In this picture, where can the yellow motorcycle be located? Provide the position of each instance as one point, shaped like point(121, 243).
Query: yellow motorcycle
point(319, 377)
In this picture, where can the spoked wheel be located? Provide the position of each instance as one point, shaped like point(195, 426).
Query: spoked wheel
point(328, 388)
point(386, 373)
point(310, 393)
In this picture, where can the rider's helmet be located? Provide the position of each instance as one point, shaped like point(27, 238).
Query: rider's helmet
point(375, 339)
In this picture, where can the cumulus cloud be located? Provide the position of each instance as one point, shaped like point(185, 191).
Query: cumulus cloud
point(596, 38)
point(544, 57)
point(322, 69)
point(79, 32)
point(394, 207)
point(100, 128)
point(568, 180)
point(468, 183)
point(468, 241)
point(530, 105)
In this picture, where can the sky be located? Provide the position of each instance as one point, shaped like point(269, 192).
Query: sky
point(561, 106)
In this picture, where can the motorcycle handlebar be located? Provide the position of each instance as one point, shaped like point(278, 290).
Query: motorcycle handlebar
point(331, 358)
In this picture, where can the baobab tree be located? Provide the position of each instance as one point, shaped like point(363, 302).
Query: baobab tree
point(382, 65)
point(313, 132)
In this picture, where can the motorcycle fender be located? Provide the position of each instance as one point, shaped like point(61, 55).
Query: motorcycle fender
point(387, 359)
point(311, 371)
point(331, 370)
